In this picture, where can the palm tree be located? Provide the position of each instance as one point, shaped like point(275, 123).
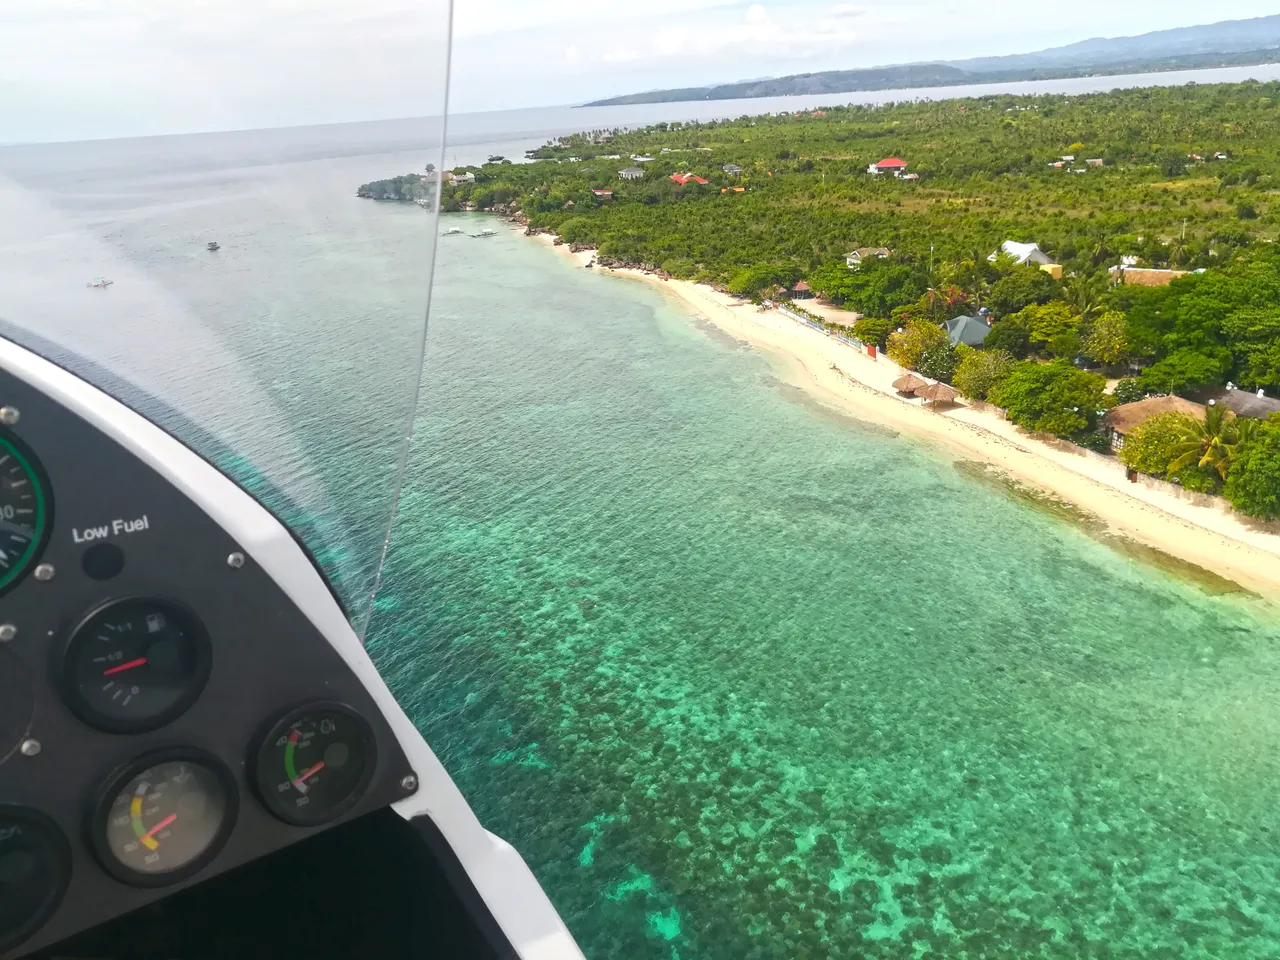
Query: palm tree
point(1211, 442)
point(1084, 294)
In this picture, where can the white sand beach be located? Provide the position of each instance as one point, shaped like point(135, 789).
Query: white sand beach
point(1212, 537)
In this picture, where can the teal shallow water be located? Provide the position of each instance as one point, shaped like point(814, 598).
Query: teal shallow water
point(743, 678)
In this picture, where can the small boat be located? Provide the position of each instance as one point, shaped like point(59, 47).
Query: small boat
point(99, 282)
point(486, 232)
point(452, 231)
point(213, 245)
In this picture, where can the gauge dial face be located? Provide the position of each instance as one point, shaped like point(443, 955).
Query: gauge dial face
point(135, 665)
point(35, 863)
point(164, 819)
point(315, 764)
point(24, 512)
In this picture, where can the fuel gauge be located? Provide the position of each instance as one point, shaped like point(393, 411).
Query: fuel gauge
point(315, 763)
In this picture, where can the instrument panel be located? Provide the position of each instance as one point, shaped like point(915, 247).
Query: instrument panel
point(167, 713)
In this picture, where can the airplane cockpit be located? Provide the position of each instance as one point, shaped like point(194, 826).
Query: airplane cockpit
point(198, 757)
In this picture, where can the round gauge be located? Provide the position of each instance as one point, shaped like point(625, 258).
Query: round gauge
point(25, 511)
point(164, 817)
point(135, 665)
point(35, 864)
point(315, 764)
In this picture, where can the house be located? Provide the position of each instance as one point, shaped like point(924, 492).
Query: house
point(631, 173)
point(467, 177)
point(1068, 157)
point(603, 194)
point(801, 291)
point(639, 159)
point(1196, 157)
point(732, 169)
point(888, 165)
point(1122, 420)
point(733, 189)
point(1095, 162)
point(970, 331)
point(684, 178)
point(1222, 156)
point(910, 176)
point(1243, 403)
point(1052, 269)
point(855, 259)
point(1057, 164)
point(1022, 253)
point(1145, 276)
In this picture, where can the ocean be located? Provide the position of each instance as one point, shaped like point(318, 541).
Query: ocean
point(739, 675)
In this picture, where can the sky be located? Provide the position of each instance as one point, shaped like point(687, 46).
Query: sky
point(80, 69)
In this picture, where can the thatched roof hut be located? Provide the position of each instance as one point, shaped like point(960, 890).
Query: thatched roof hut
point(909, 383)
point(1124, 418)
point(937, 393)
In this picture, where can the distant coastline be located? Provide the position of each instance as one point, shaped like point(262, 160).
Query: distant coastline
point(1250, 42)
point(927, 76)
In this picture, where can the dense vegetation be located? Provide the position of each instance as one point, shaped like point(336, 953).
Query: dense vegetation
point(803, 199)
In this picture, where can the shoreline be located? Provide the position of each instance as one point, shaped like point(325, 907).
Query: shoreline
point(1207, 537)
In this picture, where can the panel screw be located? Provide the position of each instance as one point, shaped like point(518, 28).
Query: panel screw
point(9, 416)
point(236, 560)
point(45, 571)
point(409, 783)
point(7, 632)
point(30, 748)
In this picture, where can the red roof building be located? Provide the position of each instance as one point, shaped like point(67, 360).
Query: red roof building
point(683, 178)
point(892, 163)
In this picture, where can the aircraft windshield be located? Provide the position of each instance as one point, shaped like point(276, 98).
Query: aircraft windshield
point(180, 273)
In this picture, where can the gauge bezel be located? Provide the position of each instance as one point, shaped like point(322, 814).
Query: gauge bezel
point(79, 704)
point(62, 850)
point(114, 783)
point(275, 728)
point(44, 510)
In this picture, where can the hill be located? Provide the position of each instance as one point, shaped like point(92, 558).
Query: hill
point(1227, 43)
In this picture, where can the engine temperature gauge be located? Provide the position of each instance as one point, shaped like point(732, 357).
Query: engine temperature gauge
point(315, 764)
point(164, 817)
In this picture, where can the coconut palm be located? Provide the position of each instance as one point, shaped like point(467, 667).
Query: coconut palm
point(1210, 442)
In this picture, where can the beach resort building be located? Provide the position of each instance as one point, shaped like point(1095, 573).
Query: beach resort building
point(1145, 276)
point(631, 173)
point(1022, 253)
point(801, 291)
point(683, 178)
point(856, 258)
point(888, 165)
point(969, 330)
point(1123, 420)
point(1243, 403)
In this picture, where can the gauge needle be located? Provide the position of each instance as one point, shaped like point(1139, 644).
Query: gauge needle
point(150, 834)
point(307, 774)
point(125, 666)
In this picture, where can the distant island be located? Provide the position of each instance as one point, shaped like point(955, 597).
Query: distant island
point(1229, 43)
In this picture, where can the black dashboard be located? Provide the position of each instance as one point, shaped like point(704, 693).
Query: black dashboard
point(167, 713)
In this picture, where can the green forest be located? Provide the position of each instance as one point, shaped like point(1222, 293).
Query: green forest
point(1184, 178)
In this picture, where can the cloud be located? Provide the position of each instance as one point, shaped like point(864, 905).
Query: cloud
point(756, 13)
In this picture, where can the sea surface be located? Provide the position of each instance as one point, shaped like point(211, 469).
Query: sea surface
point(740, 676)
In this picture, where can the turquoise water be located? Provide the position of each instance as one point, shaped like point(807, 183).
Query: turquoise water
point(742, 677)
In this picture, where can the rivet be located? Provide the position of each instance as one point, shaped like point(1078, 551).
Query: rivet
point(30, 748)
point(45, 571)
point(409, 783)
point(9, 416)
point(7, 632)
point(236, 560)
